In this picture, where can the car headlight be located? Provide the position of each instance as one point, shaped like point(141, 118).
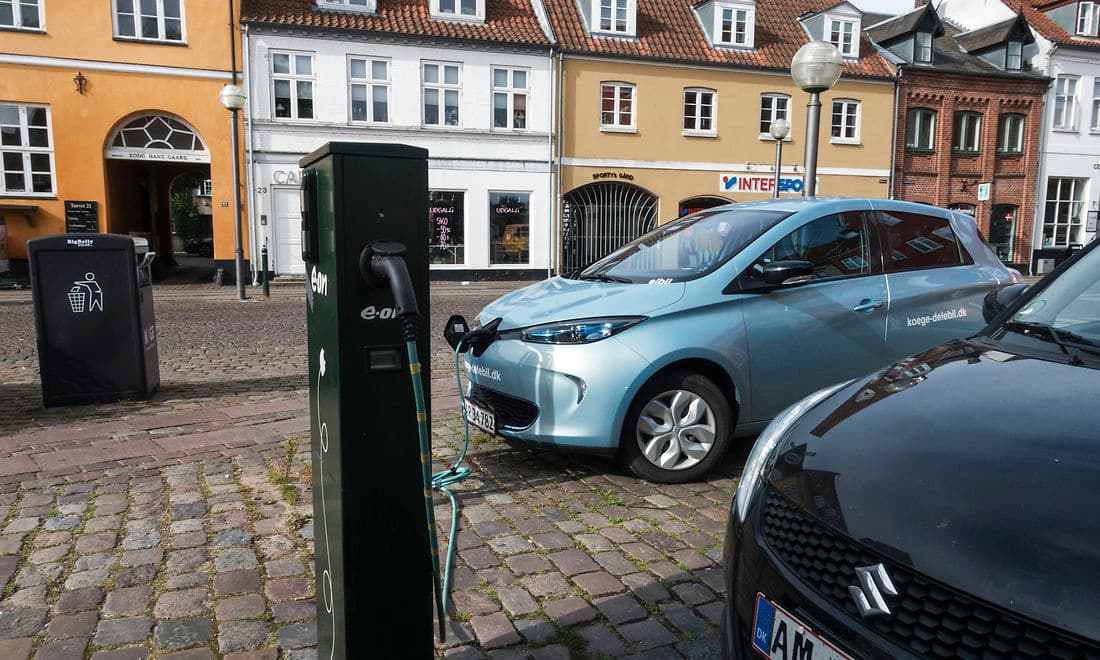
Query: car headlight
point(763, 452)
point(581, 331)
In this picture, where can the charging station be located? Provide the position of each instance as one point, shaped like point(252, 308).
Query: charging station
point(365, 244)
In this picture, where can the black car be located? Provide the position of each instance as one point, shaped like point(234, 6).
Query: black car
point(946, 506)
point(202, 246)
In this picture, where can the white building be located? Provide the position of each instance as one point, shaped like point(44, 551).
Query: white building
point(471, 87)
point(1068, 51)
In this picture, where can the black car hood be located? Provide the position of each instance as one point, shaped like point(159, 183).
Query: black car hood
point(976, 467)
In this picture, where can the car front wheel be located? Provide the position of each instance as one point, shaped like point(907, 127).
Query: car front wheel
point(677, 429)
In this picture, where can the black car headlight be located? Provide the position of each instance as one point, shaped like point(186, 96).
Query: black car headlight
point(767, 445)
point(581, 331)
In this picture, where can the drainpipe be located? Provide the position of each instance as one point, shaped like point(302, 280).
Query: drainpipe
point(550, 250)
point(894, 131)
point(1040, 181)
point(557, 164)
point(254, 232)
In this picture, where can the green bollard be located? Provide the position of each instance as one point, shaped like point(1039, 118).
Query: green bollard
point(263, 271)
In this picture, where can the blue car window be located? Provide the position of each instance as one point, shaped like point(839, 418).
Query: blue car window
point(920, 241)
point(837, 245)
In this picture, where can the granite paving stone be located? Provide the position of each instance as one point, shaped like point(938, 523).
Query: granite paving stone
point(136, 575)
point(494, 631)
point(16, 649)
point(78, 600)
point(72, 625)
point(602, 641)
point(284, 567)
point(110, 632)
point(297, 636)
point(182, 603)
point(174, 634)
point(235, 582)
point(124, 653)
point(241, 635)
point(235, 559)
point(294, 610)
point(569, 611)
point(647, 634)
point(22, 622)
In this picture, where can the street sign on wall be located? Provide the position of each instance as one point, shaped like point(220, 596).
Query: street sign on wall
point(81, 217)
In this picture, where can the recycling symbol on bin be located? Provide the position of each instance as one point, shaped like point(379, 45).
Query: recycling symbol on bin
point(86, 295)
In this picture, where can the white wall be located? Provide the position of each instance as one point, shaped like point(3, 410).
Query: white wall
point(473, 157)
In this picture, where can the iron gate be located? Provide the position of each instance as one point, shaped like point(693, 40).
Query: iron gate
point(600, 217)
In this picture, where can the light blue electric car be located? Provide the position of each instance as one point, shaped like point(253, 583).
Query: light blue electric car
point(707, 327)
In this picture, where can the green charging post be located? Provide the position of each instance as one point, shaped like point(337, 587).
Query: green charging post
point(365, 245)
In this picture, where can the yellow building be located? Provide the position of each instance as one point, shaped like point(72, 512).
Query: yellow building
point(103, 104)
point(667, 107)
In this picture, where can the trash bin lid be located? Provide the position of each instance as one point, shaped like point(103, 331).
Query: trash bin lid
point(141, 246)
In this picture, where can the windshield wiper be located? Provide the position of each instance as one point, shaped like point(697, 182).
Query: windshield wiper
point(604, 277)
point(1064, 339)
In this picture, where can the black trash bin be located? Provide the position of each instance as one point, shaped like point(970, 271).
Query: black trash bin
point(93, 310)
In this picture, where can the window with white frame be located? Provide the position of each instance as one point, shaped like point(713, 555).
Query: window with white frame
point(1095, 125)
point(510, 90)
point(1088, 18)
point(207, 189)
point(351, 5)
point(616, 106)
point(369, 89)
point(968, 132)
point(734, 24)
point(152, 20)
point(441, 89)
point(1010, 133)
point(922, 50)
point(26, 151)
point(21, 14)
point(1014, 55)
point(699, 112)
point(471, 10)
point(772, 107)
point(845, 124)
point(1065, 103)
point(614, 16)
point(920, 129)
point(292, 85)
point(844, 34)
point(1062, 222)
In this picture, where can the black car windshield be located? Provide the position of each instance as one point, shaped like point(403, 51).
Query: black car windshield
point(1068, 308)
point(686, 248)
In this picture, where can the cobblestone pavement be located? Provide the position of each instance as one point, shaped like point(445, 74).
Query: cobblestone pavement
point(181, 527)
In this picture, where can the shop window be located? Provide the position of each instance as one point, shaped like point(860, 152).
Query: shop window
point(699, 112)
point(292, 85)
point(1065, 206)
point(26, 151)
point(920, 129)
point(1002, 231)
point(446, 227)
point(509, 228)
point(149, 20)
point(441, 87)
point(1010, 134)
point(772, 107)
point(968, 132)
point(616, 106)
point(920, 241)
point(510, 90)
point(369, 83)
point(21, 14)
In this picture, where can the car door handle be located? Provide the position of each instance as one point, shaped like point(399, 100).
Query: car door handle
point(867, 305)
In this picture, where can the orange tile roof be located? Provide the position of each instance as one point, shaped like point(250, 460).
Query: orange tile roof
point(1035, 14)
point(669, 30)
point(506, 21)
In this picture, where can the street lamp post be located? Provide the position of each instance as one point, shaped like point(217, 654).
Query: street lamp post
point(780, 129)
point(815, 68)
point(233, 98)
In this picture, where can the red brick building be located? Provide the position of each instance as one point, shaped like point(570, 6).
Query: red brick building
point(969, 121)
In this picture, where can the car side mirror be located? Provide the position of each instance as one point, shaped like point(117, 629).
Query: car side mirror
point(782, 272)
point(996, 301)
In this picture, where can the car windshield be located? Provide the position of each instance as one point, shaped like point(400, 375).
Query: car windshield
point(686, 248)
point(1068, 309)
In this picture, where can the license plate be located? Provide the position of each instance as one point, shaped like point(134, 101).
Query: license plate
point(777, 634)
point(480, 417)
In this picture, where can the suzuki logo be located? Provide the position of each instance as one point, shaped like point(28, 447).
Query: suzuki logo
point(874, 582)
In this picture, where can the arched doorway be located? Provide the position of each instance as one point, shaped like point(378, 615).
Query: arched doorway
point(144, 156)
point(599, 217)
point(700, 203)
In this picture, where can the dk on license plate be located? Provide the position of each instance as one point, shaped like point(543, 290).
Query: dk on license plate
point(777, 634)
point(480, 417)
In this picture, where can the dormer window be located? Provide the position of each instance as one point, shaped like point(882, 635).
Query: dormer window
point(734, 24)
point(1014, 55)
point(614, 16)
point(365, 6)
point(844, 34)
point(1088, 18)
point(458, 10)
point(922, 48)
